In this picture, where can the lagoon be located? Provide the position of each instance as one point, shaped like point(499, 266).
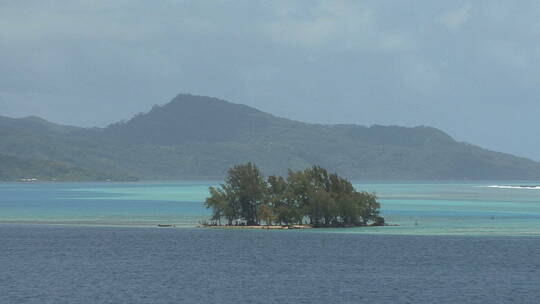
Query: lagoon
point(98, 243)
point(417, 208)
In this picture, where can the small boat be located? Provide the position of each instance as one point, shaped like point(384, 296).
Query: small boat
point(165, 225)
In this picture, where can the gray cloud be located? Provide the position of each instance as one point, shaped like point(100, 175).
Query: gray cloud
point(455, 19)
point(467, 67)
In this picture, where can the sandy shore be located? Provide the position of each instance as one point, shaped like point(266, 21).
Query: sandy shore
point(260, 227)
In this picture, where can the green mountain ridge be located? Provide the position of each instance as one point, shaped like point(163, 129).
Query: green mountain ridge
point(197, 137)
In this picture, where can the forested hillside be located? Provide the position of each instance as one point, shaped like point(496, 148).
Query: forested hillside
point(197, 137)
point(20, 169)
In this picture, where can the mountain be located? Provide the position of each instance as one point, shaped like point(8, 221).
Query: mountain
point(195, 119)
point(33, 124)
point(197, 137)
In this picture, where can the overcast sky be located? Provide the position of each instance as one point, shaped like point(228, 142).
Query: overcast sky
point(470, 68)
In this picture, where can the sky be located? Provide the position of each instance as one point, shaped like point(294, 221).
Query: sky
point(470, 68)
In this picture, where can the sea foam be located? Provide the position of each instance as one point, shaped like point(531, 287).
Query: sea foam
point(531, 187)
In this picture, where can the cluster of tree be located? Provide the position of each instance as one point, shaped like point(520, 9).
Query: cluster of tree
point(312, 196)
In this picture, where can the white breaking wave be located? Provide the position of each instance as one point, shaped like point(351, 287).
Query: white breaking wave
point(532, 187)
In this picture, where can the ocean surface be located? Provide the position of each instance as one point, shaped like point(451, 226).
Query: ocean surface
point(98, 243)
point(480, 208)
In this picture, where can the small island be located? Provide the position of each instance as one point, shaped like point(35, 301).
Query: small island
point(311, 198)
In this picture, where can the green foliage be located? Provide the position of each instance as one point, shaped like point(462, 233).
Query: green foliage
point(310, 196)
point(17, 169)
point(197, 137)
point(240, 196)
point(266, 213)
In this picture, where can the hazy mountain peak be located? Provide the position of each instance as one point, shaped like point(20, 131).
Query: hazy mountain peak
point(191, 118)
point(35, 119)
point(34, 124)
point(205, 102)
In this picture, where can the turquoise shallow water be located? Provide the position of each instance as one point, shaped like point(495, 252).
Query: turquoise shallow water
point(417, 208)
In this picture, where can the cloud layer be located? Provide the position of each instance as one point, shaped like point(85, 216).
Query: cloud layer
point(467, 67)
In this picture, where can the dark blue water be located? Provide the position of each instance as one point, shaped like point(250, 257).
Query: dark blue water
point(75, 264)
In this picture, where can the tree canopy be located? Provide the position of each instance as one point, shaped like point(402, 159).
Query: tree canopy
point(312, 196)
